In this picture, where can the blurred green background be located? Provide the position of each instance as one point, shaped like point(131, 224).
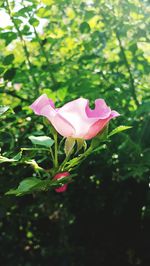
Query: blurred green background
point(67, 49)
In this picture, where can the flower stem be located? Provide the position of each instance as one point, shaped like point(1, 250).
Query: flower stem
point(56, 150)
point(61, 168)
point(52, 155)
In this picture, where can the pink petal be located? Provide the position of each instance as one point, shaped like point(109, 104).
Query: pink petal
point(74, 113)
point(75, 119)
point(45, 107)
point(101, 110)
point(61, 189)
point(81, 117)
point(62, 126)
point(99, 125)
point(40, 103)
point(114, 114)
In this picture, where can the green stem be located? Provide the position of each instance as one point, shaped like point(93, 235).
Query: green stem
point(52, 155)
point(56, 150)
point(60, 144)
point(80, 159)
point(61, 168)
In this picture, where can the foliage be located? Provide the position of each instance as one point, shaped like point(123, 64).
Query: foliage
point(68, 49)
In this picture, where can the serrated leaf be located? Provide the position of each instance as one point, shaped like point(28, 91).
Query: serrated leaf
point(42, 141)
point(118, 130)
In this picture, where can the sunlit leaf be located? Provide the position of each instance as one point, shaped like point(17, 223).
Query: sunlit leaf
point(3, 109)
point(118, 130)
point(16, 158)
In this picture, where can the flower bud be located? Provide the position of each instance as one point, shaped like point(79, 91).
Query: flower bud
point(59, 176)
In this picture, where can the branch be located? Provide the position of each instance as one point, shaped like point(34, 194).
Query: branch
point(23, 44)
point(43, 51)
point(132, 85)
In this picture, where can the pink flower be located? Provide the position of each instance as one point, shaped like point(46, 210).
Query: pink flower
point(75, 119)
point(63, 187)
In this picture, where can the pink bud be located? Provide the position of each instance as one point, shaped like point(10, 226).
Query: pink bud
point(59, 176)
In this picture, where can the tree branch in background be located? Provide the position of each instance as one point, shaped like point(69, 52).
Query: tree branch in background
point(29, 64)
point(42, 50)
point(45, 55)
point(132, 85)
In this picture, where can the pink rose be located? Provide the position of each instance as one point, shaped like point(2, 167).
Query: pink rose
point(63, 187)
point(75, 119)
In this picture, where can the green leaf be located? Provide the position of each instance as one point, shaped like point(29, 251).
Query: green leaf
point(48, 2)
point(18, 21)
point(42, 141)
point(3, 109)
point(8, 36)
point(26, 186)
point(73, 162)
point(16, 158)
point(5, 159)
point(33, 184)
point(2, 69)
point(43, 12)
point(34, 22)
point(23, 12)
point(84, 27)
point(118, 130)
point(1, 3)
point(8, 59)
point(9, 74)
point(26, 30)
